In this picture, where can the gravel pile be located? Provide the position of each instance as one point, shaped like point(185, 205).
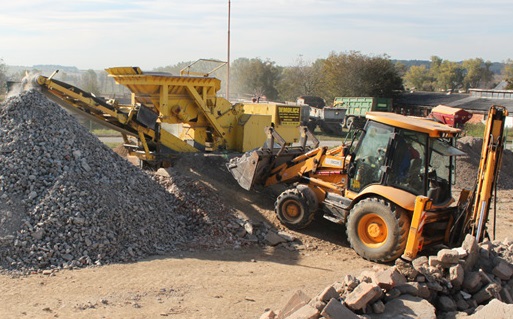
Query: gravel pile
point(67, 200)
point(474, 281)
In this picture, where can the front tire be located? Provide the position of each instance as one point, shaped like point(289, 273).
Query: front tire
point(292, 209)
point(378, 230)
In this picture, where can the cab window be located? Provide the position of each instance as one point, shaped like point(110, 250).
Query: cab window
point(408, 162)
point(370, 154)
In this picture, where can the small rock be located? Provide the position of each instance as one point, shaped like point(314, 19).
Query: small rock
point(503, 270)
point(446, 304)
point(273, 239)
point(378, 307)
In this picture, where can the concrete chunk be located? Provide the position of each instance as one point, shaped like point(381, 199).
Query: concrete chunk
point(389, 278)
point(351, 282)
point(456, 275)
point(462, 252)
point(420, 264)
point(362, 295)
point(298, 300)
point(470, 245)
point(286, 236)
point(327, 294)
point(461, 304)
point(485, 278)
point(273, 239)
point(378, 307)
point(506, 296)
point(486, 293)
point(392, 294)
point(486, 248)
point(433, 261)
point(305, 312)
point(407, 306)
point(366, 276)
point(472, 282)
point(503, 271)
point(407, 288)
point(423, 290)
point(415, 289)
point(406, 269)
point(494, 309)
point(336, 310)
point(317, 304)
point(446, 304)
point(338, 286)
point(448, 256)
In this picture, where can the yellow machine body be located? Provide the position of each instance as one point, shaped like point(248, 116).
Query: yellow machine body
point(285, 118)
point(177, 113)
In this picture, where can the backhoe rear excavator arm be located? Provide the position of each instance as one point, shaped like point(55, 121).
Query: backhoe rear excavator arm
point(488, 173)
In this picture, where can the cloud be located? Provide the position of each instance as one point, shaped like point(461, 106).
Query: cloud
point(151, 33)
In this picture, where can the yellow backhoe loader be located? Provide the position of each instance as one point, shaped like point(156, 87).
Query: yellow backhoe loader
point(390, 186)
point(177, 113)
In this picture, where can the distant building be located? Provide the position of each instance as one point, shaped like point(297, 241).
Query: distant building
point(477, 101)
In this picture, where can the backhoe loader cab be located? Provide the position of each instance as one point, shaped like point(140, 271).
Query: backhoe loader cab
point(404, 157)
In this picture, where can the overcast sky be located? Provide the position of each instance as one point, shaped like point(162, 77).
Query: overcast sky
point(97, 34)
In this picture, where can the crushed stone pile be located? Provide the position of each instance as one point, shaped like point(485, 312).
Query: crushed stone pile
point(471, 281)
point(67, 200)
point(467, 165)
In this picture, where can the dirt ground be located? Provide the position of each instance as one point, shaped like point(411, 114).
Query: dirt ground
point(231, 283)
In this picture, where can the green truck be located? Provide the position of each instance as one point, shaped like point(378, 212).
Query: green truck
point(356, 108)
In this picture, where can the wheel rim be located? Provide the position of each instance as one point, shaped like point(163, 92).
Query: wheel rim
point(291, 210)
point(372, 230)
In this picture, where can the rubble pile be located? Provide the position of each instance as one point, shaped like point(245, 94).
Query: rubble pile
point(471, 281)
point(67, 200)
point(467, 165)
point(202, 199)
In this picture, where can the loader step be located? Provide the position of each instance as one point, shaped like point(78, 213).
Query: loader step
point(336, 206)
point(334, 219)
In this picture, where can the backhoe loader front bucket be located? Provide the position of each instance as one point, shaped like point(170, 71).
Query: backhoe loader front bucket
point(250, 168)
point(253, 167)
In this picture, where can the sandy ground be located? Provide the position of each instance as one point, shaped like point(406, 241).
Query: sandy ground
point(202, 284)
point(222, 284)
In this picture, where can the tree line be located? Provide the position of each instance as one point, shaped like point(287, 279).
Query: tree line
point(445, 75)
point(340, 74)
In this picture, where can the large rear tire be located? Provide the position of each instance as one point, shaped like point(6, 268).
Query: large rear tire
point(292, 209)
point(377, 230)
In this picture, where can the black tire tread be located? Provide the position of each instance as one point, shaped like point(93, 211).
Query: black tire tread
point(401, 235)
point(308, 217)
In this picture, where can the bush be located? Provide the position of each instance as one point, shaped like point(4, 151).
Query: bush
point(474, 129)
